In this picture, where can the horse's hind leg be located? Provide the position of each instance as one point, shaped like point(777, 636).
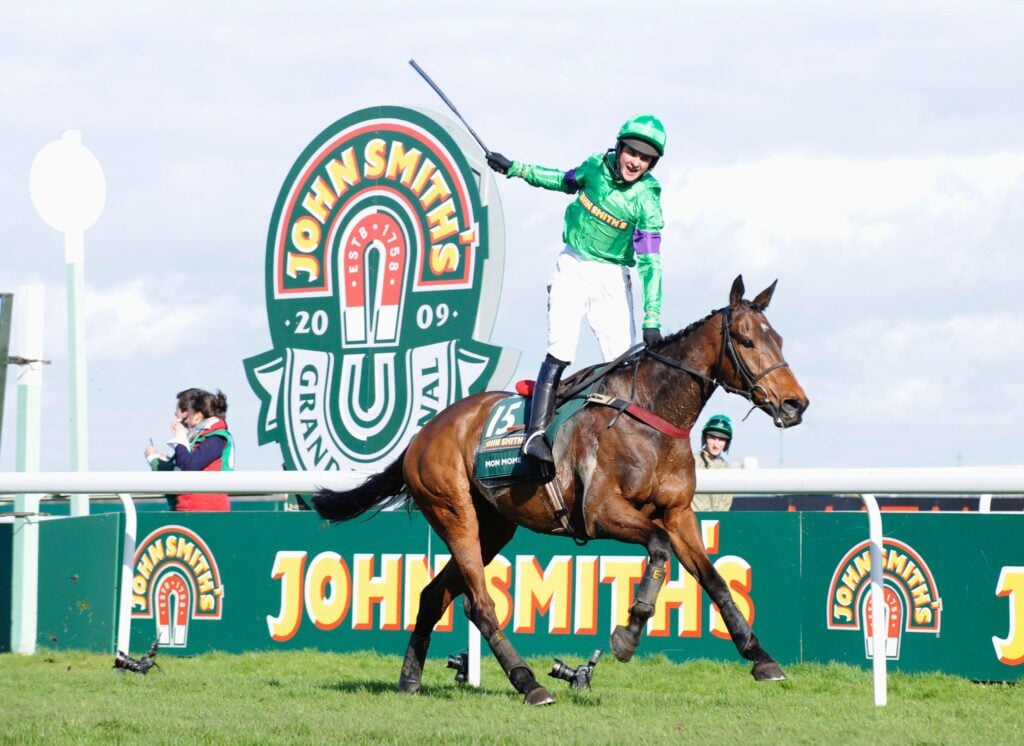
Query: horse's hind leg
point(684, 531)
point(434, 599)
point(472, 550)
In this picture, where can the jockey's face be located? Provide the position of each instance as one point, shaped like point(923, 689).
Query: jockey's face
point(715, 444)
point(633, 164)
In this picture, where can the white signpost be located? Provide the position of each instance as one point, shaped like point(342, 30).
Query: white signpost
point(68, 190)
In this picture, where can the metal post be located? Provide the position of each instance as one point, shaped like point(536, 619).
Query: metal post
point(74, 255)
point(6, 311)
point(473, 647)
point(875, 539)
point(124, 621)
point(25, 544)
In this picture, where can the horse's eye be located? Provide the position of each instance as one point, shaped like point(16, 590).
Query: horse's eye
point(745, 342)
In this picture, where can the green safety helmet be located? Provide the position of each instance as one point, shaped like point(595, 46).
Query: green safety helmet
point(720, 424)
point(645, 134)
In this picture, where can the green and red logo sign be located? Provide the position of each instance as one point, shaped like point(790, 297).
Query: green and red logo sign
point(175, 581)
point(912, 601)
point(383, 270)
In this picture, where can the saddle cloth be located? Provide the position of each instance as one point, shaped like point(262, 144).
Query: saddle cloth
point(499, 462)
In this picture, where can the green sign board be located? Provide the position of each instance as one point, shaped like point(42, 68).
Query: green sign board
point(383, 270)
point(954, 587)
point(217, 582)
point(79, 581)
point(954, 592)
point(6, 560)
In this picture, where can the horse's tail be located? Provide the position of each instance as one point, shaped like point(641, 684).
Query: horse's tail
point(381, 490)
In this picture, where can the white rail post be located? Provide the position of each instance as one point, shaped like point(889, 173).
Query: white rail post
point(124, 621)
point(473, 664)
point(878, 608)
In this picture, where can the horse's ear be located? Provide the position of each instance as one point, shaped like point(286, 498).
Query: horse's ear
point(764, 297)
point(736, 294)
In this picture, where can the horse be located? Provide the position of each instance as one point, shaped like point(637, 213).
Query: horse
point(619, 477)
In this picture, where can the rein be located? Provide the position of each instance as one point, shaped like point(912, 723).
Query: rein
point(638, 352)
point(600, 371)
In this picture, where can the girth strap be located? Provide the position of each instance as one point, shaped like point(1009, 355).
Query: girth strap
point(637, 412)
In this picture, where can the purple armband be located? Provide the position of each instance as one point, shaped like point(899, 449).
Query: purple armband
point(571, 185)
point(647, 242)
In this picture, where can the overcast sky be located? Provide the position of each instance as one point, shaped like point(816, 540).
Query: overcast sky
point(868, 154)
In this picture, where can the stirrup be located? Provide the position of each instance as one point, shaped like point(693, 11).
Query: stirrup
point(536, 446)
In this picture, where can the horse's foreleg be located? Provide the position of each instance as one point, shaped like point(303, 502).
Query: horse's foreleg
point(625, 639)
point(765, 667)
point(689, 548)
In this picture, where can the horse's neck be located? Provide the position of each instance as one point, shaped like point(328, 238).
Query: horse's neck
point(675, 394)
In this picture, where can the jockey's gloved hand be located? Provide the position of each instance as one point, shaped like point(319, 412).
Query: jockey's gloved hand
point(652, 335)
point(498, 162)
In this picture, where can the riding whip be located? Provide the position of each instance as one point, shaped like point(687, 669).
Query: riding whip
point(451, 106)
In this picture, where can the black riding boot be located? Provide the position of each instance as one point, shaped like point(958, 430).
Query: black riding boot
point(541, 409)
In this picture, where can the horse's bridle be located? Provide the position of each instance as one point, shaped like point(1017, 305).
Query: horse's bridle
point(636, 352)
point(750, 381)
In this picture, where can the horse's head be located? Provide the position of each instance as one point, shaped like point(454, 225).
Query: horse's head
point(750, 361)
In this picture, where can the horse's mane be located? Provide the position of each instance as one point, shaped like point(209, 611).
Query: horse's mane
point(682, 333)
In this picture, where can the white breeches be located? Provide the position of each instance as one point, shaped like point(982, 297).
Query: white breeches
point(597, 290)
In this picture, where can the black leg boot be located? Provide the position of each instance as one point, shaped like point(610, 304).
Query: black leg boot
point(541, 409)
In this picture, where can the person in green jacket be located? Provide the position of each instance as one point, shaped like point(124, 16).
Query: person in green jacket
point(613, 223)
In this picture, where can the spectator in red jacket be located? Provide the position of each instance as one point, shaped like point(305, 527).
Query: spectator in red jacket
point(200, 441)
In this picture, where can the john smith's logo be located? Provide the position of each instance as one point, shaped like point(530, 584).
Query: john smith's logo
point(383, 269)
point(912, 601)
point(175, 581)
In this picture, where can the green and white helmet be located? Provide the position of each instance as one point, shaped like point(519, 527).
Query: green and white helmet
point(720, 425)
point(645, 134)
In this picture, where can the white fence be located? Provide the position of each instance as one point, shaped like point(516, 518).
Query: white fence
point(867, 483)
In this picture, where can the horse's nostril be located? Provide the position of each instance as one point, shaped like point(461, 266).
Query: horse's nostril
point(794, 406)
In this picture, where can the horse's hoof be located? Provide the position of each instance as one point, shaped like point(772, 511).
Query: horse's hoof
point(623, 644)
point(410, 687)
point(767, 671)
point(539, 696)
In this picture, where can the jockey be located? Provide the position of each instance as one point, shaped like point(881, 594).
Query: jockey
point(715, 439)
point(613, 223)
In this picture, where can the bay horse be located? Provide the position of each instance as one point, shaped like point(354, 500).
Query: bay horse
point(620, 478)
